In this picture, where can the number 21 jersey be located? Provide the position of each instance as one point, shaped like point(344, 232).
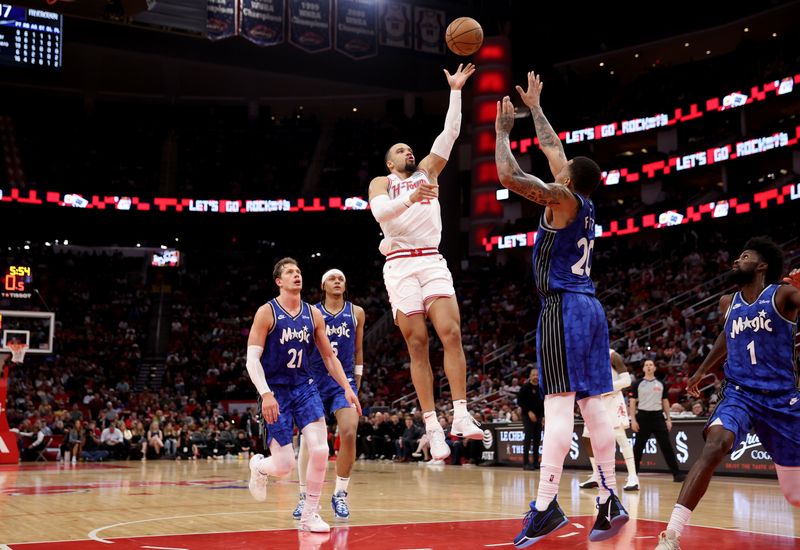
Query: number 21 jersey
point(289, 345)
point(562, 258)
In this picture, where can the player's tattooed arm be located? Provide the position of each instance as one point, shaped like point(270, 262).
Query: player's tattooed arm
point(511, 176)
point(548, 139)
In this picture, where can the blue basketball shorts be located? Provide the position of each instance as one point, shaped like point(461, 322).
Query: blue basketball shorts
point(774, 417)
point(299, 405)
point(572, 346)
point(332, 394)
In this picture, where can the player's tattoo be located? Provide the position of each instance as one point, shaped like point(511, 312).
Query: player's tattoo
point(548, 139)
point(514, 178)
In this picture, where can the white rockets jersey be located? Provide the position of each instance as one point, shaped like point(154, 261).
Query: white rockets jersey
point(418, 227)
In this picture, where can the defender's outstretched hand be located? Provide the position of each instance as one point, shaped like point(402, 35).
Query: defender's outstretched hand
point(505, 116)
point(460, 77)
point(532, 95)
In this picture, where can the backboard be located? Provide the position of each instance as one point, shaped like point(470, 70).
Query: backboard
point(35, 328)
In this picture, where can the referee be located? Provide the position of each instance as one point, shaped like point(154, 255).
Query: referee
point(649, 407)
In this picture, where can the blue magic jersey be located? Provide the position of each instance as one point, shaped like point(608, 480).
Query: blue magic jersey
point(760, 344)
point(341, 330)
point(562, 258)
point(289, 345)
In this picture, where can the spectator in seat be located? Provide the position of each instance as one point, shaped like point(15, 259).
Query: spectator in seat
point(113, 441)
point(154, 440)
point(71, 446)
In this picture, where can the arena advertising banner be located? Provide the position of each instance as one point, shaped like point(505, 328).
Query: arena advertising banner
point(223, 19)
point(310, 25)
point(429, 30)
point(262, 21)
point(749, 458)
point(396, 25)
point(357, 28)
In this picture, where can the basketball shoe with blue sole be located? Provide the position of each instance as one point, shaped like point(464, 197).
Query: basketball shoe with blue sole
point(611, 517)
point(537, 525)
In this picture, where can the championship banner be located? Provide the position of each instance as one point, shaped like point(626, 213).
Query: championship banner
point(429, 30)
point(396, 28)
point(263, 21)
point(310, 25)
point(748, 458)
point(9, 452)
point(223, 19)
point(356, 28)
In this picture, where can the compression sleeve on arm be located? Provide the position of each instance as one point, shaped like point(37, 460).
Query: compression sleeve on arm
point(623, 381)
point(385, 209)
point(443, 144)
point(255, 370)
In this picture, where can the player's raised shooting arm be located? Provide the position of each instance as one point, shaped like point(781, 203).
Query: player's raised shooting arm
point(548, 139)
point(359, 352)
point(262, 323)
point(442, 146)
point(512, 177)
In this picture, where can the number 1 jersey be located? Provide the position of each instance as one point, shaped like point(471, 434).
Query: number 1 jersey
point(289, 345)
point(562, 258)
point(760, 344)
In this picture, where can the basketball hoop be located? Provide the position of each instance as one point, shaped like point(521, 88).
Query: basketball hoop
point(18, 350)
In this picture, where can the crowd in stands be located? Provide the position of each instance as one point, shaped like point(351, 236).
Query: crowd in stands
point(660, 290)
point(86, 392)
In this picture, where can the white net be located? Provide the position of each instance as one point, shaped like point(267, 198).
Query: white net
point(17, 351)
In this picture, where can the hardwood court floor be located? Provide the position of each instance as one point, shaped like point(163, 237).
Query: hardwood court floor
point(204, 505)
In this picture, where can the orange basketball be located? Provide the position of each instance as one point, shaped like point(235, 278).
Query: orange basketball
point(464, 36)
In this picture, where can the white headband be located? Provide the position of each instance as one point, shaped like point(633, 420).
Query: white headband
point(332, 272)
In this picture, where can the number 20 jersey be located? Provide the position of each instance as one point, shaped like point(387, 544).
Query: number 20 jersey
point(289, 345)
point(760, 344)
point(562, 258)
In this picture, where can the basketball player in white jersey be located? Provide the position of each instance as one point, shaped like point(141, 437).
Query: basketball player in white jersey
point(620, 421)
point(405, 203)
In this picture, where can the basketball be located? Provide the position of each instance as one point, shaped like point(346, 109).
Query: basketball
point(464, 36)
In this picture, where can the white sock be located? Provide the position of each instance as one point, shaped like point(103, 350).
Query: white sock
point(679, 518)
point(431, 422)
point(594, 467)
point(459, 408)
point(606, 480)
point(549, 477)
point(302, 488)
point(341, 484)
point(630, 464)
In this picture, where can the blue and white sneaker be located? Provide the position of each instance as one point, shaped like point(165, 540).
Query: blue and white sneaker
point(537, 525)
point(611, 517)
point(298, 510)
point(341, 510)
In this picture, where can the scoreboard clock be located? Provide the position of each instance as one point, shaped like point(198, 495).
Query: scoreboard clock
point(30, 37)
point(17, 282)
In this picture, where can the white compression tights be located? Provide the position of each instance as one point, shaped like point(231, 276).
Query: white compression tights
point(603, 444)
point(281, 461)
point(315, 441)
